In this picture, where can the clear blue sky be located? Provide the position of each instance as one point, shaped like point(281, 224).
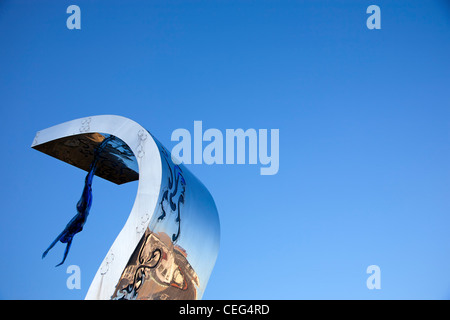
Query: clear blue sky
point(364, 119)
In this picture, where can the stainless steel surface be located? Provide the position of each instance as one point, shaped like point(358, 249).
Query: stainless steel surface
point(170, 241)
point(117, 164)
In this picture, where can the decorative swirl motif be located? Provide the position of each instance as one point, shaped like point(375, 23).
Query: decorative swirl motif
point(140, 149)
point(176, 186)
point(85, 125)
point(105, 266)
point(147, 262)
point(143, 225)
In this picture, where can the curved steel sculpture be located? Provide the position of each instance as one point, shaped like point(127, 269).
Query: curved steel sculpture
point(170, 241)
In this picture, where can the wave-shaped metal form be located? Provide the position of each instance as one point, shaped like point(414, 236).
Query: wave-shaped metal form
point(170, 241)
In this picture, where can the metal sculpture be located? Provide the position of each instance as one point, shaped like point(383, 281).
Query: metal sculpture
point(169, 243)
